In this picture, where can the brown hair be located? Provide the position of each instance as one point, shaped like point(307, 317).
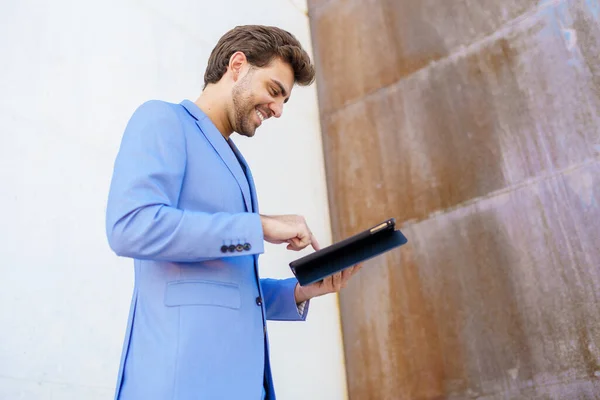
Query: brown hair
point(260, 44)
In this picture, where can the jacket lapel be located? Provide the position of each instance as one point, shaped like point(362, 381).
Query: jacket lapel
point(223, 149)
point(248, 176)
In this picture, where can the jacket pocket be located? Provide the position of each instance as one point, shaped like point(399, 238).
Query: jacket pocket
point(202, 293)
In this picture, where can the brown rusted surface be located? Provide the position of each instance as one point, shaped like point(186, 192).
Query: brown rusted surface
point(371, 44)
point(477, 125)
point(498, 299)
point(520, 105)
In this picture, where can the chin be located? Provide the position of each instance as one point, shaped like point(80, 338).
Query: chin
point(245, 129)
point(248, 133)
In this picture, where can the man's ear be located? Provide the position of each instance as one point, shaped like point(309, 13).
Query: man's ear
point(237, 64)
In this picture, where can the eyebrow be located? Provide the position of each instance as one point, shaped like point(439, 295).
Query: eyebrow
point(282, 88)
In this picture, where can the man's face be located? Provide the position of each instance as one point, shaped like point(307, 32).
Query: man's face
point(259, 95)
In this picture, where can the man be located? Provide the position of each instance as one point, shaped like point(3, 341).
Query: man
point(182, 203)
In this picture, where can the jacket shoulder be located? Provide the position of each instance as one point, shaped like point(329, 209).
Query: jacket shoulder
point(158, 108)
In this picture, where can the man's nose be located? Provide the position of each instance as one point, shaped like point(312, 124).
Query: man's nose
point(277, 109)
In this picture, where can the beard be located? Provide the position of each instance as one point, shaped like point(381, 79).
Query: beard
point(244, 108)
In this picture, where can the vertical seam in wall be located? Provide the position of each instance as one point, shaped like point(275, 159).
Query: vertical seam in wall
point(324, 4)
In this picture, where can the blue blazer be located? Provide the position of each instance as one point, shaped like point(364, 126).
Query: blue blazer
point(182, 204)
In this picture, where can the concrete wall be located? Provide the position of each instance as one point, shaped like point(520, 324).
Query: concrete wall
point(477, 125)
point(70, 77)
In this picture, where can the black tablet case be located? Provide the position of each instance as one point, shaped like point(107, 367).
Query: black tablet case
point(351, 251)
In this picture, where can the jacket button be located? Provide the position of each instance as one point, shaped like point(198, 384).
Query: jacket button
point(239, 247)
point(232, 248)
point(258, 301)
point(247, 246)
point(224, 249)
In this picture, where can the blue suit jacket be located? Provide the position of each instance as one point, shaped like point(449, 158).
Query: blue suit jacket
point(182, 204)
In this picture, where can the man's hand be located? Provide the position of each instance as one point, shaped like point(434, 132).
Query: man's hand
point(331, 284)
point(291, 229)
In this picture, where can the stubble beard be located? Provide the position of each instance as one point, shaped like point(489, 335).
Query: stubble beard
point(243, 108)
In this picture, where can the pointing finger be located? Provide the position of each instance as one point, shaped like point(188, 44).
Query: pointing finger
point(314, 243)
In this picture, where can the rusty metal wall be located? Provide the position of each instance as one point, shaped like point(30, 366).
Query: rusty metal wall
point(476, 123)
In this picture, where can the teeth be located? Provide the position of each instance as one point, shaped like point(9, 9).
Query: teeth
point(260, 115)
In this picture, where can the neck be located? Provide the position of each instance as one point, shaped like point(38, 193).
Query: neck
point(215, 107)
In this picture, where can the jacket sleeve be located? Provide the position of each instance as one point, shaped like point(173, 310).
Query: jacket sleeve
point(142, 218)
point(279, 300)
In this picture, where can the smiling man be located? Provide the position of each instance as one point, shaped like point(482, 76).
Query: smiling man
point(183, 205)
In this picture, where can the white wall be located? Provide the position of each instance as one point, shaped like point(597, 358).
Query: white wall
point(71, 74)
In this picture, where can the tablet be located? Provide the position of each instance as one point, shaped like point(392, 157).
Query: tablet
point(367, 244)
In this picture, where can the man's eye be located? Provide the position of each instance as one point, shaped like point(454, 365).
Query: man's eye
point(274, 93)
